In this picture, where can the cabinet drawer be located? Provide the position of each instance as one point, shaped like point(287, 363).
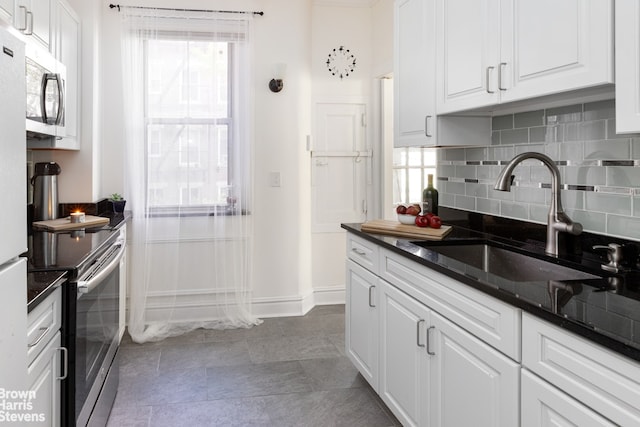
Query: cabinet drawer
point(489, 319)
point(42, 324)
point(600, 379)
point(543, 405)
point(363, 252)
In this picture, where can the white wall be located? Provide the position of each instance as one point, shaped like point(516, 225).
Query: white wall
point(290, 264)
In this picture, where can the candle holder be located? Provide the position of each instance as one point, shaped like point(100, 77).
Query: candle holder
point(77, 217)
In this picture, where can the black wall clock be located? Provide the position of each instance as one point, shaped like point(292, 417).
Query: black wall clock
point(341, 62)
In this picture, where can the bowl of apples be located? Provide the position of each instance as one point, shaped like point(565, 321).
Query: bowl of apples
point(407, 214)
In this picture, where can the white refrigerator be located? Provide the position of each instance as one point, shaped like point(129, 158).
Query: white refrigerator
point(13, 213)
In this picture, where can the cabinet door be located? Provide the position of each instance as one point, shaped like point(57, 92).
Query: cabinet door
point(544, 405)
point(44, 383)
point(362, 321)
point(414, 73)
point(627, 70)
point(6, 10)
point(545, 52)
point(403, 357)
point(471, 383)
point(37, 16)
point(67, 51)
point(467, 54)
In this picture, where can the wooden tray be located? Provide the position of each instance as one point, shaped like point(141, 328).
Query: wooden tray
point(394, 228)
point(63, 224)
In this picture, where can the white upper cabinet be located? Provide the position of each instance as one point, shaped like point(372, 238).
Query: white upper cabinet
point(34, 19)
point(551, 46)
point(414, 73)
point(495, 51)
point(627, 70)
point(468, 34)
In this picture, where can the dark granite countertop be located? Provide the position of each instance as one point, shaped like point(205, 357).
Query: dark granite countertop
point(604, 309)
point(41, 284)
point(53, 255)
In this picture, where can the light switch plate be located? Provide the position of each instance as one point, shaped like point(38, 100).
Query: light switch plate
point(274, 179)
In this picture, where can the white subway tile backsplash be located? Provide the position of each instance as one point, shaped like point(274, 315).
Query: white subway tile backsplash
point(607, 150)
point(488, 206)
point(514, 210)
point(465, 203)
point(607, 203)
point(477, 190)
point(623, 176)
point(583, 175)
point(623, 226)
point(600, 179)
point(514, 136)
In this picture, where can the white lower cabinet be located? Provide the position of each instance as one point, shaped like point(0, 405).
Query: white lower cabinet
point(545, 405)
point(434, 373)
point(470, 383)
point(44, 383)
point(47, 366)
point(361, 320)
point(404, 362)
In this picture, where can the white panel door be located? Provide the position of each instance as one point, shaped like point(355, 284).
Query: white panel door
point(467, 53)
point(543, 405)
point(362, 321)
point(627, 66)
point(471, 383)
point(340, 166)
point(404, 364)
point(545, 52)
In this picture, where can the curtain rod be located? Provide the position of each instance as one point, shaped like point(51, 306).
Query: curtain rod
point(112, 6)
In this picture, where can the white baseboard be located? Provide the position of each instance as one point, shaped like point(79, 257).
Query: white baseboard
point(199, 306)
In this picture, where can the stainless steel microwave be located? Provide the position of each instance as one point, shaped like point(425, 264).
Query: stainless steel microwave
point(46, 78)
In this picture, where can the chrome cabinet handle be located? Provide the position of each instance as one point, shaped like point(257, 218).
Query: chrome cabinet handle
point(489, 69)
point(359, 252)
point(500, 69)
point(43, 332)
point(30, 32)
point(65, 365)
point(25, 18)
point(418, 333)
point(371, 304)
point(429, 352)
point(426, 127)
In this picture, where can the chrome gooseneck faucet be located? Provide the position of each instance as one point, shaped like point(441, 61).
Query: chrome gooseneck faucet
point(557, 220)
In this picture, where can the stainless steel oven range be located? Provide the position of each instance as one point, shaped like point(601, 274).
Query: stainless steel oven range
point(90, 317)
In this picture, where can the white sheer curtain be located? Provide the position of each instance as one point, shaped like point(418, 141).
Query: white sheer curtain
point(188, 175)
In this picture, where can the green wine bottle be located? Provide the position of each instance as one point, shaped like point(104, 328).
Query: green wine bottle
point(430, 198)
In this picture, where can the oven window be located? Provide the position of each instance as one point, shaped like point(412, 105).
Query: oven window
point(97, 328)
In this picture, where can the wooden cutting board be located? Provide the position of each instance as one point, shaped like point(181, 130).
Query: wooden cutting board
point(394, 228)
point(62, 224)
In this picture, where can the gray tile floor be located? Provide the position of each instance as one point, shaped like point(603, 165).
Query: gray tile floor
point(286, 372)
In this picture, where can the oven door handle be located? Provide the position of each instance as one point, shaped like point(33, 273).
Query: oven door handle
point(86, 286)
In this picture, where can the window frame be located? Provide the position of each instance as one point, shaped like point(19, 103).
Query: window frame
point(224, 208)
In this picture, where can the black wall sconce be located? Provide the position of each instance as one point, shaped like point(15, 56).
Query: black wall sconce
point(277, 83)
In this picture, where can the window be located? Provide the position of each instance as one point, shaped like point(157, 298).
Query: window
point(410, 169)
point(188, 121)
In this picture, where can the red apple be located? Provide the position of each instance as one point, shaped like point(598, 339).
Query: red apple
point(412, 210)
point(422, 221)
point(417, 205)
point(435, 222)
point(401, 209)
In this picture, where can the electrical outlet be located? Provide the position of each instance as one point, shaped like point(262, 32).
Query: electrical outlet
point(274, 179)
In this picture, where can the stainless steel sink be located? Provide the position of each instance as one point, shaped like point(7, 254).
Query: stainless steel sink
point(508, 264)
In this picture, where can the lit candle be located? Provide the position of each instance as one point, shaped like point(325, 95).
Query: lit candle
point(77, 217)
